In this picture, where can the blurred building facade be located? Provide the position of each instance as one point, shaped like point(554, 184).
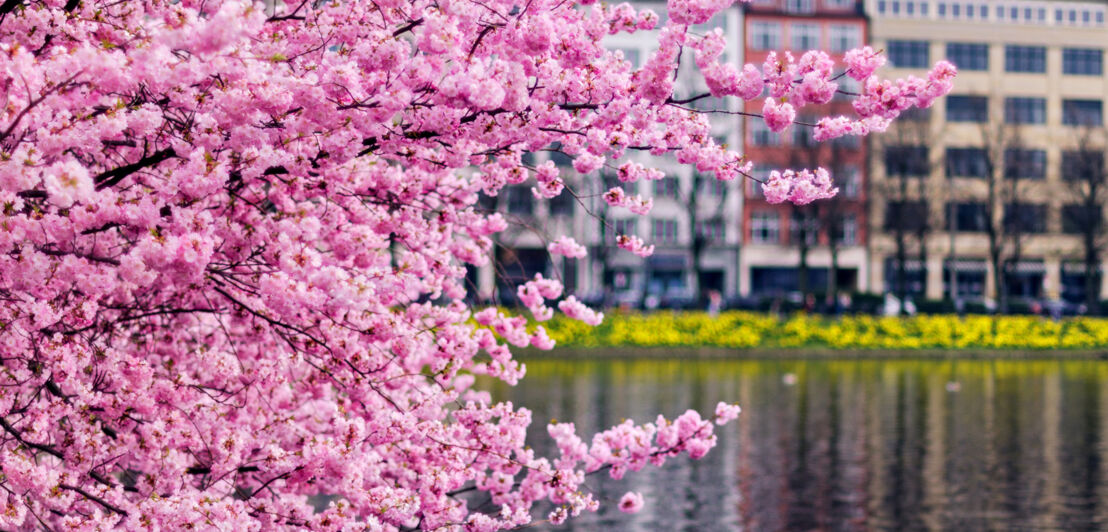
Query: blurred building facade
point(1005, 171)
point(694, 224)
point(819, 247)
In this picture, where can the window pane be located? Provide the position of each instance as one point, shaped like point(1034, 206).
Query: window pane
point(764, 228)
point(1078, 219)
point(969, 217)
point(966, 162)
point(910, 161)
point(1025, 58)
point(765, 35)
point(844, 37)
point(909, 54)
point(1084, 165)
point(1024, 164)
point(1082, 112)
point(905, 216)
point(1025, 110)
point(1082, 61)
point(968, 56)
point(804, 37)
point(1025, 218)
point(967, 109)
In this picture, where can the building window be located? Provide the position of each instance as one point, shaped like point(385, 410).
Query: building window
point(804, 228)
point(967, 109)
point(915, 114)
point(562, 204)
point(844, 37)
point(969, 217)
point(1024, 164)
point(914, 277)
point(626, 226)
point(1025, 58)
point(1082, 112)
point(761, 135)
point(850, 181)
point(966, 162)
point(765, 35)
point(1083, 61)
point(1082, 166)
point(1079, 219)
point(710, 230)
point(968, 56)
point(800, 6)
point(847, 233)
point(804, 137)
point(1025, 218)
point(666, 188)
point(839, 4)
point(804, 36)
point(906, 216)
point(1025, 110)
point(907, 161)
point(909, 54)
point(665, 231)
point(709, 185)
point(760, 172)
point(521, 201)
point(765, 228)
point(850, 87)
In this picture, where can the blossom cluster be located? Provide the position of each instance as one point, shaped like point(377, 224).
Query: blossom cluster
point(235, 242)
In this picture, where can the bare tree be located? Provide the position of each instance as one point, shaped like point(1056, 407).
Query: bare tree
point(809, 222)
point(906, 158)
point(1086, 188)
point(703, 229)
point(1007, 222)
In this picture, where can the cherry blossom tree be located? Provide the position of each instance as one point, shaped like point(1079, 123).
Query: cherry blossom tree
point(235, 236)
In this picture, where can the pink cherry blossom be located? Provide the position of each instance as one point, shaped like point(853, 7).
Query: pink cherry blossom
point(631, 502)
point(236, 239)
point(778, 117)
point(567, 247)
point(862, 62)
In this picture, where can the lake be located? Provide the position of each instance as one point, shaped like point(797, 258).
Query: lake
point(846, 444)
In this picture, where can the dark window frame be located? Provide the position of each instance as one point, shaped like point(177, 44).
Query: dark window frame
point(968, 55)
point(1024, 110)
point(1027, 59)
point(967, 108)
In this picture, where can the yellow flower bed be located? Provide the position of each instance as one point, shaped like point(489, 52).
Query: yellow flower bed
point(749, 329)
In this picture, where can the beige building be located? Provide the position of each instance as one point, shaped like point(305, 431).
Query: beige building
point(1003, 155)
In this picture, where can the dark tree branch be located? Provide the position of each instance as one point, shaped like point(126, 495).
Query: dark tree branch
point(114, 176)
point(19, 437)
point(107, 505)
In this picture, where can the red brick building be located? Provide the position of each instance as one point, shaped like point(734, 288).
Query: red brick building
point(788, 249)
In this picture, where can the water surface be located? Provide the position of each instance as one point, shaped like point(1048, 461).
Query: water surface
point(847, 445)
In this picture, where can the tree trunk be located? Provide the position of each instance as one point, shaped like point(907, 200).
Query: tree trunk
point(1092, 277)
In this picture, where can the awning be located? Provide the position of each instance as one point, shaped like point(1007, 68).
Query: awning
point(668, 262)
point(1077, 268)
point(967, 265)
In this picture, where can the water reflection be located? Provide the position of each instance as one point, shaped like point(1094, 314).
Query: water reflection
point(849, 445)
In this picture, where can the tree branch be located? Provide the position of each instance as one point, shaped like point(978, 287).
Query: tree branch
point(114, 176)
point(107, 505)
